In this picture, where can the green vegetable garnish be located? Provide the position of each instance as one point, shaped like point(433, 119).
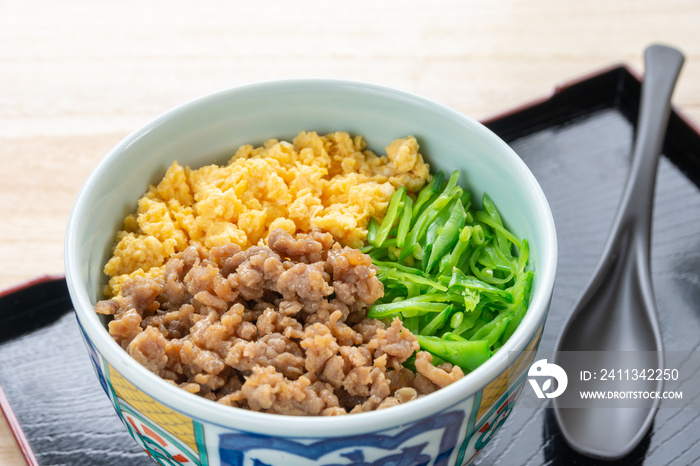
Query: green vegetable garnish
point(428, 215)
point(428, 193)
point(448, 234)
point(453, 273)
point(466, 354)
point(395, 206)
point(405, 222)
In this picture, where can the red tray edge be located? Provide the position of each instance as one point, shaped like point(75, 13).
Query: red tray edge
point(16, 429)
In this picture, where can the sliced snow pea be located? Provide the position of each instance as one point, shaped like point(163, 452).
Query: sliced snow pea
point(490, 209)
point(392, 214)
point(405, 222)
point(428, 193)
point(404, 277)
point(385, 265)
point(459, 250)
point(372, 228)
point(482, 217)
point(448, 236)
point(428, 216)
point(490, 257)
point(522, 286)
point(437, 322)
point(434, 230)
point(478, 235)
point(434, 302)
point(407, 307)
point(493, 330)
point(452, 337)
point(466, 354)
point(440, 221)
point(456, 319)
point(459, 279)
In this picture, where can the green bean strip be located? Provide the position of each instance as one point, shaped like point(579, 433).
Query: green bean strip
point(479, 273)
point(484, 218)
point(469, 334)
point(466, 354)
point(449, 336)
point(451, 191)
point(459, 279)
point(405, 222)
point(395, 274)
point(395, 206)
point(383, 310)
point(449, 234)
point(372, 228)
point(459, 249)
point(490, 209)
point(495, 334)
point(426, 194)
point(494, 258)
point(405, 307)
point(438, 321)
point(524, 252)
point(456, 319)
point(500, 322)
point(428, 240)
point(436, 225)
point(469, 320)
point(384, 265)
point(524, 287)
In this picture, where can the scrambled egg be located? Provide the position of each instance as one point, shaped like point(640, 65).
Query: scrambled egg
point(329, 182)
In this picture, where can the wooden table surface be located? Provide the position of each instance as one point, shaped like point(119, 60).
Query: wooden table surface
point(77, 76)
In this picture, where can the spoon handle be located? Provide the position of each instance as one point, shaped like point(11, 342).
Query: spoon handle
point(662, 67)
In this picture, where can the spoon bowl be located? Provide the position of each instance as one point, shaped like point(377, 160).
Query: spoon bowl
point(615, 321)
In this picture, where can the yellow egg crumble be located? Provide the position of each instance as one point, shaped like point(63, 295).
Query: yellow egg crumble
point(330, 182)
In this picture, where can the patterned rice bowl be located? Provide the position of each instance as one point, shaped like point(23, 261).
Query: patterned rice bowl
point(174, 427)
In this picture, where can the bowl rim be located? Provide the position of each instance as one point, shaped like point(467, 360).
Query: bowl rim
point(208, 412)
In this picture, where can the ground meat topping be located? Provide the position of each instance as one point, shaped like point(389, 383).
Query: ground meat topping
point(279, 329)
point(441, 376)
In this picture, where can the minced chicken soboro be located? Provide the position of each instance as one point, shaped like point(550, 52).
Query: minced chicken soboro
point(280, 328)
point(275, 320)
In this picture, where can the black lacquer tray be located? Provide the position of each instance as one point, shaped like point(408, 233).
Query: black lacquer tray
point(578, 144)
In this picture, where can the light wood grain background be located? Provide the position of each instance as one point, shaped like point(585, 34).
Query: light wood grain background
point(77, 76)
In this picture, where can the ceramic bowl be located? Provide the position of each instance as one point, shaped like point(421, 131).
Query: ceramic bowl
point(449, 426)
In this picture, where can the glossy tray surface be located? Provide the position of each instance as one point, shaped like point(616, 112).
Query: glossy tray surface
point(577, 142)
